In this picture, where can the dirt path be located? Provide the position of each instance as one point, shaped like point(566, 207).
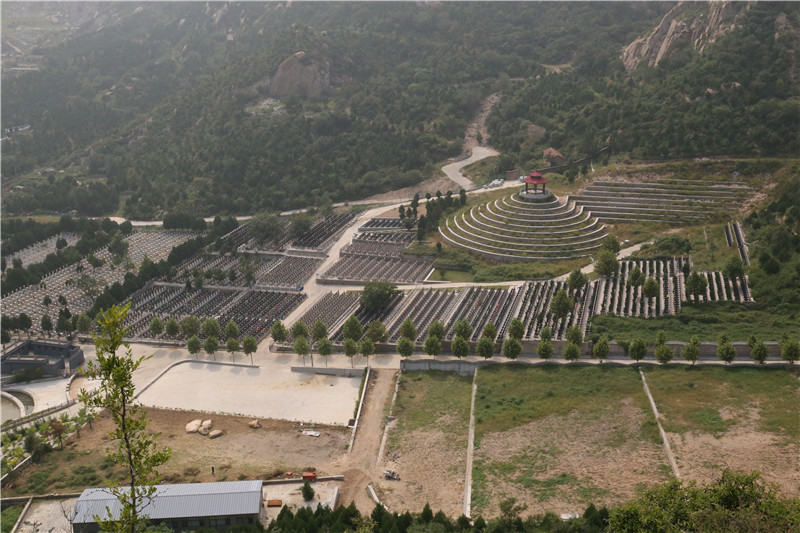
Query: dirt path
point(358, 466)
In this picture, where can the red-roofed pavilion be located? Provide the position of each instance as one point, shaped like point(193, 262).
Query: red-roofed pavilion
point(535, 178)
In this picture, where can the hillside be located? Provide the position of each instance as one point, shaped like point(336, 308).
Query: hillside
point(172, 104)
point(240, 108)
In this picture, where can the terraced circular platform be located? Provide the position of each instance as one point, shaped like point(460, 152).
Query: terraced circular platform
point(512, 229)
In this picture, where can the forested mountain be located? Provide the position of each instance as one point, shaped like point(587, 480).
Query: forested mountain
point(242, 107)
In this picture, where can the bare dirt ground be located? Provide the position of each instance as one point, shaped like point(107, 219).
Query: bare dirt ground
point(563, 463)
point(241, 453)
point(359, 466)
point(431, 464)
point(743, 447)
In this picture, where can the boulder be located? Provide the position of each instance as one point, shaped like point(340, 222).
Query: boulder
point(214, 434)
point(206, 424)
point(254, 424)
point(193, 426)
point(203, 430)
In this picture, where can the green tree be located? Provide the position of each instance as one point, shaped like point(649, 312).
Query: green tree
point(546, 334)
point(172, 328)
point(436, 329)
point(47, 324)
point(759, 352)
point(377, 295)
point(350, 349)
point(664, 354)
point(601, 348)
point(366, 348)
point(433, 346)
point(512, 348)
point(638, 349)
point(194, 345)
point(611, 243)
point(661, 337)
point(156, 326)
point(636, 277)
point(545, 349)
point(266, 227)
point(696, 285)
point(307, 491)
point(63, 324)
point(460, 347)
point(725, 351)
point(278, 331)
point(190, 326)
point(691, 352)
point(489, 331)
point(352, 329)
point(574, 335)
point(462, 328)
point(606, 263)
point(377, 331)
point(211, 327)
point(790, 350)
point(210, 346)
point(485, 347)
point(249, 346)
point(232, 344)
point(231, 330)
point(25, 322)
point(325, 348)
point(408, 329)
point(6, 336)
point(650, 288)
point(562, 304)
point(734, 268)
point(516, 329)
point(576, 280)
point(300, 225)
point(301, 347)
point(299, 329)
point(136, 448)
point(572, 352)
point(405, 347)
point(319, 330)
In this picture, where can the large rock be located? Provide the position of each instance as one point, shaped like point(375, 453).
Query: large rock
point(206, 424)
point(203, 430)
point(193, 426)
point(255, 424)
point(214, 434)
point(298, 74)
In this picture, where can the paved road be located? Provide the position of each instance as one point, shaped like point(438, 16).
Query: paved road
point(453, 170)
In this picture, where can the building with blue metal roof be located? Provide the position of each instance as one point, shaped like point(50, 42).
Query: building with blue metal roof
point(181, 507)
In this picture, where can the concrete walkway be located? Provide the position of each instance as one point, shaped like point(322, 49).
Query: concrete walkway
point(453, 170)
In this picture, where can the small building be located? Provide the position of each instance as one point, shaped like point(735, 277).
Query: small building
point(54, 358)
point(181, 507)
point(554, 158)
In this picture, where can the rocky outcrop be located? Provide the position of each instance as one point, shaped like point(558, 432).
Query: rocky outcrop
point(302, 76)
point(700, 22)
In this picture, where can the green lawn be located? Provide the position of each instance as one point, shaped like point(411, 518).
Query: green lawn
point(690, 398)
point(708, 321)
point(10, 515)
point(440, 274)
point(428, 400)
point(513, 395)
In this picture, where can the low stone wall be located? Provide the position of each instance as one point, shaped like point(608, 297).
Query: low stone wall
point(329, 371)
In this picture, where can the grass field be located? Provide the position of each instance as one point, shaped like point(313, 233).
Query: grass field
point(457, 276)
point(554, 437)
point(708, 321)
point(690, 398)
point(10, 515)
point(428, 446)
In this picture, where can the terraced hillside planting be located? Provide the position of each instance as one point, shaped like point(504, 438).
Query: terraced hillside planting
point(512, 229)
point(674, 201)
point(553, 437)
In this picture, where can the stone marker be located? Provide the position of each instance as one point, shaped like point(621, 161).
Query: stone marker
point(193, 426)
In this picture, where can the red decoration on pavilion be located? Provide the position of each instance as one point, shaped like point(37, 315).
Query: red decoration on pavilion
point(535, 178)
